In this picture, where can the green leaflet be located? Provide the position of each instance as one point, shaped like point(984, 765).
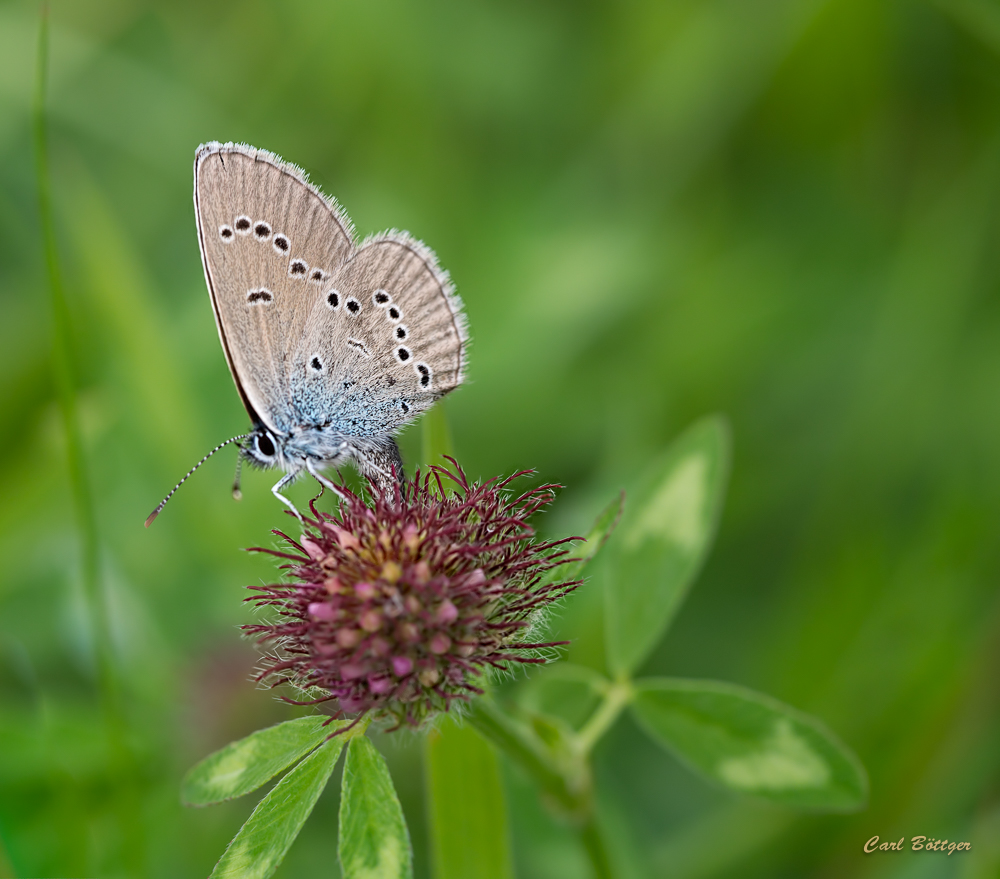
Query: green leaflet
point(467, 805)
point(261, 844)
point(245, 765)
point(663, 539)
point(606, 522)
point(751, 743)
point(374, 842)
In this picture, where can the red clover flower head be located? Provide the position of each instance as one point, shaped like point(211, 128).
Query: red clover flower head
point(397, 607)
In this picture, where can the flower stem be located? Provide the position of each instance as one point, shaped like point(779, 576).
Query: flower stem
point(520, 746)
point(571, 790)
point(597, 851)
point(616, 697)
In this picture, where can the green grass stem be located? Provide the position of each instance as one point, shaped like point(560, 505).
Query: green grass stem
point(65, 383)
point(122, 763)
point(436, 436)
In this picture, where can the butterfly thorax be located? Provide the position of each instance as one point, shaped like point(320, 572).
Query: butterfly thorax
point(323, 446)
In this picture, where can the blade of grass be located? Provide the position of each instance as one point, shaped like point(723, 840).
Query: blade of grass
point(65, 382)
point(468, 819)
point(437, 441)
point(121, 761)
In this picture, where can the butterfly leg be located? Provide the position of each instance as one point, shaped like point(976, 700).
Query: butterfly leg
point(322, 480)
point(276, 491)
point(382, 464)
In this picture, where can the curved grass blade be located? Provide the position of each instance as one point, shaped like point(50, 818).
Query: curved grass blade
point(374, 842)
point(245, 765)
point(751, 743)
point(261, 845)
point(65, 377)
point(663, 540)
point(436, 436)
point(468, 814)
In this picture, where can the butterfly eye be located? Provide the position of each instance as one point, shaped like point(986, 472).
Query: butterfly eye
point(226, 233)
point(262, 231)
point(380, 297)
point(264, 444)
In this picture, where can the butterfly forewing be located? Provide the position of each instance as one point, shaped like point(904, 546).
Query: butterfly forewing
point(269, 242)
point(385, 339)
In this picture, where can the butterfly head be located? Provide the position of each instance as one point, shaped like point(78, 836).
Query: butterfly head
point(262, 448)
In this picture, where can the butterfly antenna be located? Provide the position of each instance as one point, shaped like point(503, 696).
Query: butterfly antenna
point(237, 494)
point(163, 503)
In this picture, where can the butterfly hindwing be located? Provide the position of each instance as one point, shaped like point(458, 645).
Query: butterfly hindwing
point(385, 339)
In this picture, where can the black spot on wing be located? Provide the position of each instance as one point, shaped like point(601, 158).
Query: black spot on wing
point(261, 295)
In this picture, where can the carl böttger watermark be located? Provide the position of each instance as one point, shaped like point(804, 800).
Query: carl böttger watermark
point(917, 844)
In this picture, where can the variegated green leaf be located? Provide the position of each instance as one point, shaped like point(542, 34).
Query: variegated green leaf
point(664, 537)
point(259, 847)
point(243, 766)
point(751, 743)
point(374, 842)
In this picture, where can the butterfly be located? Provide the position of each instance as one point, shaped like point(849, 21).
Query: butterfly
point(333, 345)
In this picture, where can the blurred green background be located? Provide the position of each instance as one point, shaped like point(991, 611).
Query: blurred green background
point(784, 210)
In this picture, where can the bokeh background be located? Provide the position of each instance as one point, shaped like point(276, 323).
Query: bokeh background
point(782, 210)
